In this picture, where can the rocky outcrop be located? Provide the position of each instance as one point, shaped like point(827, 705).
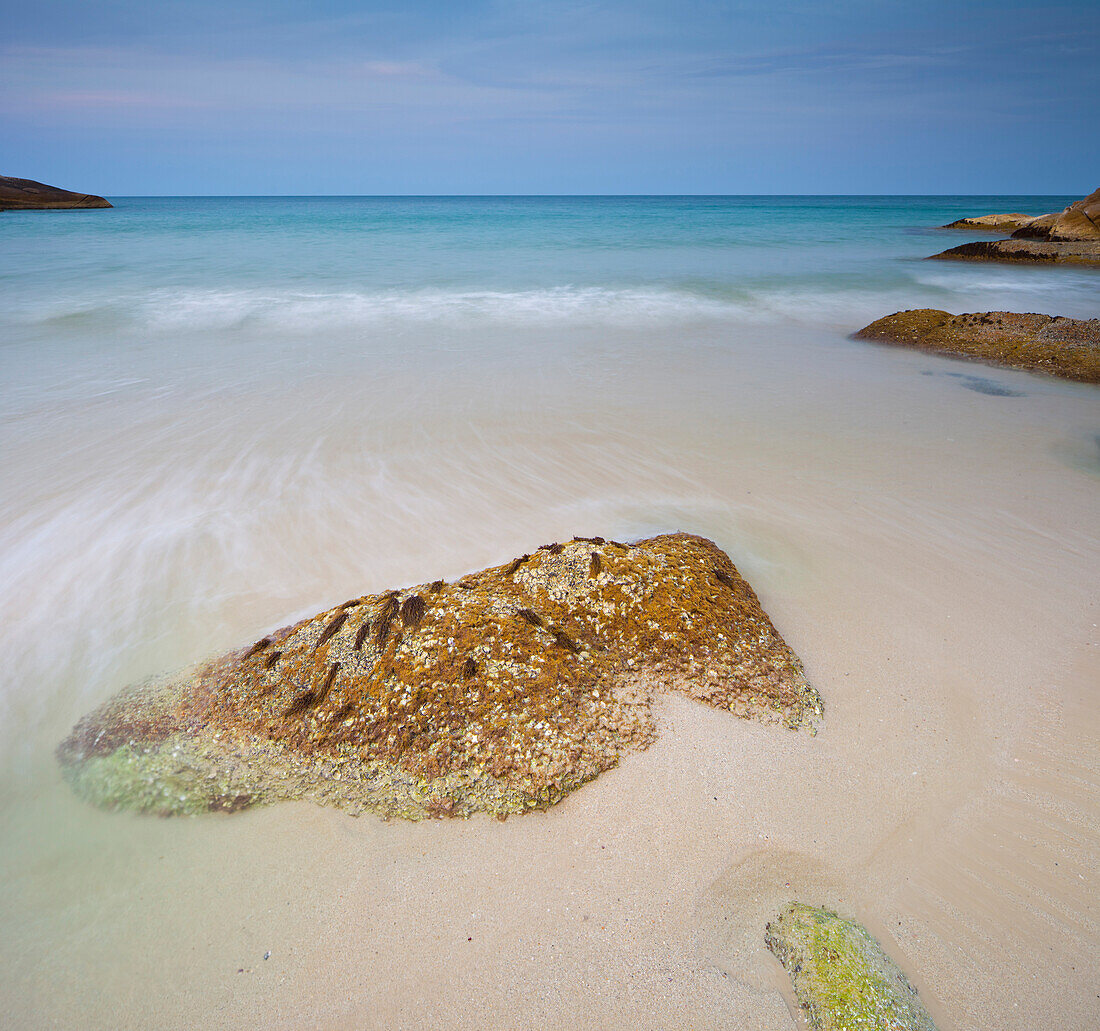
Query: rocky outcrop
point(842, 978)
point(1069, 348)
point(24, 194)
point(1080, 221)
point(1069, 237)
point(1033, 252)
point(499, 693)
point(991, 223)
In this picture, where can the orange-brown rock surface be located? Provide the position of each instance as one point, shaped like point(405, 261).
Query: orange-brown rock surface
point(501, 692)
point(1032, 252)
point(1080, 221)
point(1069, 237)
point(24, 194)
point(991, 223)
point(1069, 348)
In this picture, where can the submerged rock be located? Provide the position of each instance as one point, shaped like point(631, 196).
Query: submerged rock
point(499, 693)
point(1069, 348)
point(842, 978)
point(24, 194)
point(1071, 236)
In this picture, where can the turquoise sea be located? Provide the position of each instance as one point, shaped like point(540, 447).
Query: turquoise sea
point(146, 350)
point(208, 292)
point(222, 413)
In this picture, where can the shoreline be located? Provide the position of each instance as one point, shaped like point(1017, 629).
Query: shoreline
point(325, 892)
point(926, 547)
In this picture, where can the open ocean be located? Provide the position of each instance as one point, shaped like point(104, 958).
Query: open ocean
point(220, 414)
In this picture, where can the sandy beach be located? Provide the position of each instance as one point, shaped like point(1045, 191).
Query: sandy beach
point(562, 516)
point(928, 549)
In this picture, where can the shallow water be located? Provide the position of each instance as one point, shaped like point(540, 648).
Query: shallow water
point(221, 414)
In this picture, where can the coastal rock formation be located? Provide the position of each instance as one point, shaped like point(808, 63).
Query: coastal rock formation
point(992, 223)
point(26, 194)
point(1069, 348)
point(1069, 237)
point(1042, 252)
point(1080, 221)
point(501, 692)
point(842, 978)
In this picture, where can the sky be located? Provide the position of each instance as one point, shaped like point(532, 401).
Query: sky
point(167, 97)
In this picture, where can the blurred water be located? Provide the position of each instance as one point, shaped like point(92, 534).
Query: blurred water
point(219, 414)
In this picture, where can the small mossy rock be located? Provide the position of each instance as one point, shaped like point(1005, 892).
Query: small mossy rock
point(842, 978)
point(499, 693)
point(1052, 344)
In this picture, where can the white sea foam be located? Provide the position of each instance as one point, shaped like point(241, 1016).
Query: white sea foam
point(844, 304)
point(296, 313)
point(299, 311)
point(145, 461)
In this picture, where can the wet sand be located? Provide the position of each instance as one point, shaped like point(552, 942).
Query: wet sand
point(930, 551)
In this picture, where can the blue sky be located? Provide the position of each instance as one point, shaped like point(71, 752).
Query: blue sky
point(562, 96)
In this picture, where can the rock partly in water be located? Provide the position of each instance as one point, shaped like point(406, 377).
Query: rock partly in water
point(26, 194)
point(1069, 348)
point(992, 223)
point(1080, 221)
point(1031, 252)
point(1069, 237)
point(499, 693)
point(842, 978)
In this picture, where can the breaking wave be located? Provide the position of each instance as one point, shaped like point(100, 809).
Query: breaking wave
point(296, 311)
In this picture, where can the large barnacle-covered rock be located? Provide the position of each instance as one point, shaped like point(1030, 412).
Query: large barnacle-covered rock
point(501, 692)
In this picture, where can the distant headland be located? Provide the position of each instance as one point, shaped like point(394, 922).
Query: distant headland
point(28, 195)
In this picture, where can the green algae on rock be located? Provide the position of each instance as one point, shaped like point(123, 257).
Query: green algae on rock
point(842, 978)
point(1052, 344)
point(500, 693)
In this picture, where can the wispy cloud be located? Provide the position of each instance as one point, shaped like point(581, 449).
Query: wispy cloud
point(398, 69)
point(88, 80)
point(701, 86)
point(82, 100)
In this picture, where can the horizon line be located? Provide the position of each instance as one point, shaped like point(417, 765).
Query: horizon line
point(472, 196)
